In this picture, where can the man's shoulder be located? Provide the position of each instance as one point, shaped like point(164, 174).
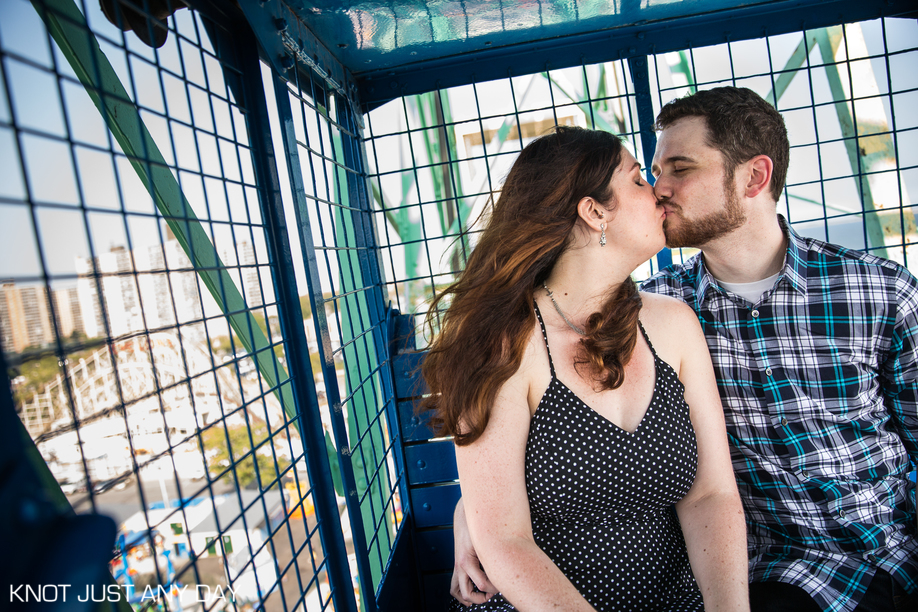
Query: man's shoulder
point(832, 259)
point(677, 280)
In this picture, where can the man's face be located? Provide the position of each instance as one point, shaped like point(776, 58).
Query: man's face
point(698, 195)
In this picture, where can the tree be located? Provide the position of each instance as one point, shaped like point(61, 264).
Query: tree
point(263, 464)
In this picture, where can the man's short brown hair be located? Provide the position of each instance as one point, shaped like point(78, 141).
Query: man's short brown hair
point(740, 124)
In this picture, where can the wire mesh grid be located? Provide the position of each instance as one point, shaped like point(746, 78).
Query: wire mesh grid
point(847, 94)
point(323, 148)
point(158, 356)
point(141, 325)
point(437, 161)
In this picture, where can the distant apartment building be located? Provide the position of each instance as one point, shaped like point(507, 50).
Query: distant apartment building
point(116, 279)
point(242, 258)
point(8, 309)
point(25, 317)
point(68, 311)
point(149, 288)
point(168, 285)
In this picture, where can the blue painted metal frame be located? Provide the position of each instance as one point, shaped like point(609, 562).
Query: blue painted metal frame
point(667, 33)
point(380, 315)
point(292, 50)
point(339, 428)
point(401, 564)
point(300, 370)
point(286, 42)
point(640, 78)
point(291, 317)
point(365, 242)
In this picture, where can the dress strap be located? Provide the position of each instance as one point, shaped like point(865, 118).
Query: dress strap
point(649, 343)
point(551, 364)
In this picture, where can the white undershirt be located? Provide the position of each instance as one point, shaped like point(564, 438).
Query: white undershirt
point(751, 291)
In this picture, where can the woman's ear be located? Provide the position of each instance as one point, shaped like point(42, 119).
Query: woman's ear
point(591, 212)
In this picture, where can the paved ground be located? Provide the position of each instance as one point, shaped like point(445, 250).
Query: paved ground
point(300, 589)
point(121, 503)
point(298, 585)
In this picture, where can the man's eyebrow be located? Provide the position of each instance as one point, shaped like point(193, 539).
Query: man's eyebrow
point(679, 158)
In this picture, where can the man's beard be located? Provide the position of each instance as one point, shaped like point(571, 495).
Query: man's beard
point(698, 232)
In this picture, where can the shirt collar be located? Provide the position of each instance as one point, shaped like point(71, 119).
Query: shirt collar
point(796, 259)
point(794, 269)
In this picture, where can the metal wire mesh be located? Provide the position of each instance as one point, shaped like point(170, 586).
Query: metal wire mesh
point(198, 253)
point(322, 139)
point(437, 161)
point(140, 318)
point(846, 93)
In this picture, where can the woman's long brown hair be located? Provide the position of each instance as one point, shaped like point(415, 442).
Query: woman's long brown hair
point(489, 321)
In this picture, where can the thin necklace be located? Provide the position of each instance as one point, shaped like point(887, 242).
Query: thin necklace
point(558, 308)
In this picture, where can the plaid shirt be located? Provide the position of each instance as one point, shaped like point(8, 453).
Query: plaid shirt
point(819, 382)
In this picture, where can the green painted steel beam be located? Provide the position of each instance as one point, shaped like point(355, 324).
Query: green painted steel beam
point(68, 27)
point(828, 39)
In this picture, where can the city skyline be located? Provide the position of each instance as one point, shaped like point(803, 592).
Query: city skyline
point(149, 287)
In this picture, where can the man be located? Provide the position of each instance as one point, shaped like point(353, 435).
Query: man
point(815, 348)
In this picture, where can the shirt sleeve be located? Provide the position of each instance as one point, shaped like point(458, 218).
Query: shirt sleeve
point(663, 284)
point(899, 375)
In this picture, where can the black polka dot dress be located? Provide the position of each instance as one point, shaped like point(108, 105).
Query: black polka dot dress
point(602, 498)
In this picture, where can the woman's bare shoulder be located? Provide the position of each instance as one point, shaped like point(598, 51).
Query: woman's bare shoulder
point(672, 327)
point(664, 310)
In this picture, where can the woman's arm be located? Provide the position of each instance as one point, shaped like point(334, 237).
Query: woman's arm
point(492, 473)
point(711, 513)
point(468, 574)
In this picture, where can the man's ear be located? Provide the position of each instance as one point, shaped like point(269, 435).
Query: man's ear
point(591, 212)
point(760, 168)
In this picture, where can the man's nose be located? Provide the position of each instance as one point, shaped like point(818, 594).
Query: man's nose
point(661, 189)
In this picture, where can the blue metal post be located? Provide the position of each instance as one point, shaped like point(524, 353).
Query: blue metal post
point(337, 554)
point(291, 318)
point(641, 79)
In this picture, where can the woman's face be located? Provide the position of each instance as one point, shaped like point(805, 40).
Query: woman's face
point(637, 222)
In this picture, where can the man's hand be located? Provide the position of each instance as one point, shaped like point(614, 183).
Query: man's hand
point(469, 584)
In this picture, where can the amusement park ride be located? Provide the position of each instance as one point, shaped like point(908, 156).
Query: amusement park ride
point(284, 185)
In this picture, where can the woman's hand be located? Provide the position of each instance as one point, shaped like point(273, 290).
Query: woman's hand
point(469, 583)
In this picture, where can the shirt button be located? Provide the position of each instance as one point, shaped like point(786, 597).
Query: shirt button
point(767, 371)
point(783, 421)
point(872, 558)
point(755, 314)
point(806, 474)
point(841, 513)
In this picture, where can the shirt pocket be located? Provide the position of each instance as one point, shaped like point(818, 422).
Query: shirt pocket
point(839, 375)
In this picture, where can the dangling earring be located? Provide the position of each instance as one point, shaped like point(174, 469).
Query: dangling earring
point(602, 236)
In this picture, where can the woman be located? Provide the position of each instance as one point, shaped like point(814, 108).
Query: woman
point(574, 436)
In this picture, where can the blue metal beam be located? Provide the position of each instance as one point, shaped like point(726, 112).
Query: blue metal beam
point(648, 36)
point(304, 227)
point(309, 420)
point(286, 40)
point(640, 77)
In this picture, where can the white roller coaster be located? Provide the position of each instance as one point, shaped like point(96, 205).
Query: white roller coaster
point(133, 401)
